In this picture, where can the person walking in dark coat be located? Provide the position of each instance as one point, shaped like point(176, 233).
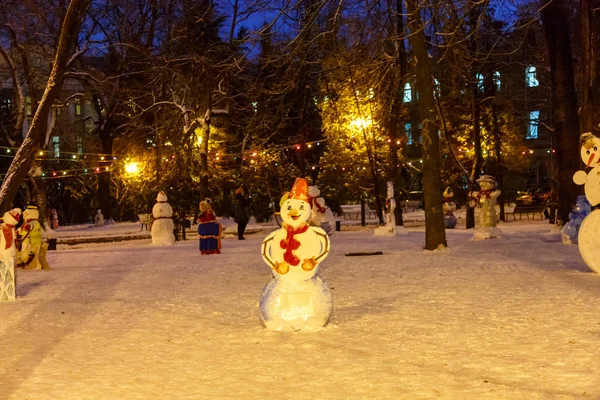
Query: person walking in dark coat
point(240, 212)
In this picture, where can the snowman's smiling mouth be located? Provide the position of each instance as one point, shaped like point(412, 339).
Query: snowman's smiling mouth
point(295, 217)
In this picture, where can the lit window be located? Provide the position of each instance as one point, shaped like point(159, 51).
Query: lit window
point(28, 106)
point(437, 87)
point(497, 81)
point(479, 78)
point(78, 107)
point(407, 93)
point(56, 146)
point(531, 76)
point(79, 144)
point(254, 106)
point(534, 122)
point(408, 132)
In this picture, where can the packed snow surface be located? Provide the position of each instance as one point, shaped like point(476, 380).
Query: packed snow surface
point(511, 318)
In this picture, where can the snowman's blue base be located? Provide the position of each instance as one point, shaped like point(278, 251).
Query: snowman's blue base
point(295, 306)
point(450, 221)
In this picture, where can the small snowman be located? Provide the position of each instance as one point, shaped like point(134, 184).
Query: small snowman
point(162, 225)
point(486, 198)
point(321, 215)
point(296, 298)
point(8, 252)
point(99, 218)
point(390, 228)
point(449, 207)
point(570, 231)
point(589, 231)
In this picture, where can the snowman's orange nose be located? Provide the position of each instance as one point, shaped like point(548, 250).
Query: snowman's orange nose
point(591, 158)
point(293, 212)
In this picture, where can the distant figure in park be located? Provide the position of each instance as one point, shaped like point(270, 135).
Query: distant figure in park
point(54, 219)
point(32, 254)
point(209, 230)
point(99, 218)
point(241, 214)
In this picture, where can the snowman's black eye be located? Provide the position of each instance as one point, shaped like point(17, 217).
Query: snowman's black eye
point(289, 208)
point(302, 207)
point(595, 148)
point(587, 152)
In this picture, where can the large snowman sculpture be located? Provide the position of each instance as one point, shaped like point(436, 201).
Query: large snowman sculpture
point(8, 253)
point(296, 298)
point(589, 231)
point(162, 225)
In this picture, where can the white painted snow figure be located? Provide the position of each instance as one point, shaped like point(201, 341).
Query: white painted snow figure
point(589, 231)
point(99, 218)
point(32, 254)
point(320, 215)
point(390, 228)
point(570, 231)
point(296, 298)
point(8, 254)
point(486, 198)
point(162, 225)
point(449, 207)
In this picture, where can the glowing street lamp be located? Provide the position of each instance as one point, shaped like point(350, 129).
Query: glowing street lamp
point(132, 168)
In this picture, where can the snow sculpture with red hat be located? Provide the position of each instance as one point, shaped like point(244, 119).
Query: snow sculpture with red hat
point(8, 253)
point(589, 231)
point(320, 215)
point(162, 225)
point(296, 298)
point(486, 198)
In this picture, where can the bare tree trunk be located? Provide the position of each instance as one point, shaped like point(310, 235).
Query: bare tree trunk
point(435, 233)
point(564, 102)
point(104, 197)
point(37, 131)
point(588, 66)
point(498, 151)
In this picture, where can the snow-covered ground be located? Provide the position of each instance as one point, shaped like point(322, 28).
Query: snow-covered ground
point(517, 318)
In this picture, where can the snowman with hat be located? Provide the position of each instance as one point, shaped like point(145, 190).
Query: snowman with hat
point(486, 198)
point(162, 224)
point(296, 298)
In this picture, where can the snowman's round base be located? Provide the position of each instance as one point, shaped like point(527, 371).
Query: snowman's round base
point(295, 306)
point(589, 240)
point(490, 232)
point(450, 222)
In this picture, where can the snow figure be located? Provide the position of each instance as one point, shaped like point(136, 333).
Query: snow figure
point(449, 207)
point(209, 230)
point(54, 220)
point(589, 231)
point(8, 252)
point(390, 228)
point(162, 225)
point(296, 298)
point(486, 198)
point(99, 218)
point(570, 231)
point(320, 214)
point(32, 254)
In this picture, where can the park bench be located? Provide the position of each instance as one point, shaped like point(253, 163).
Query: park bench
point(528, 208)
point(352, 211)
point(145, 219)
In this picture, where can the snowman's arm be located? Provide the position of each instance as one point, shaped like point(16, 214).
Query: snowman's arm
point(579, 177)
point(266, 249)
point(324, 242)
point(496, 194)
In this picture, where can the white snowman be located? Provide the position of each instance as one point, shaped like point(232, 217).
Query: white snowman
point(320, 215)
point(390, 228)
point(8, 254)
point(589, 231)
point(486, 198)
point(162, 225)
point(296, 298)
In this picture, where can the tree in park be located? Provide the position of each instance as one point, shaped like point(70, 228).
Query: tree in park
point(34, 140)
point(435, 234)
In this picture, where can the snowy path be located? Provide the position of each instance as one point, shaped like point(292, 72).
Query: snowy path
point(517, 318)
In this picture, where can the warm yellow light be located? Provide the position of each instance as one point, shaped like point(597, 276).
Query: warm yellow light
point(102, 158)
point(131, 168)
point(361, 122)
point(41, 153)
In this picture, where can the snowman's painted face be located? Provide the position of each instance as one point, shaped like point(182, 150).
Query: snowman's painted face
point(485, 185)
point(589, 152)
point(295, 212)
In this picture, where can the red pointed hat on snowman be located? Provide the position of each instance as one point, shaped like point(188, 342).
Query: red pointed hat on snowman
point(300, 190)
